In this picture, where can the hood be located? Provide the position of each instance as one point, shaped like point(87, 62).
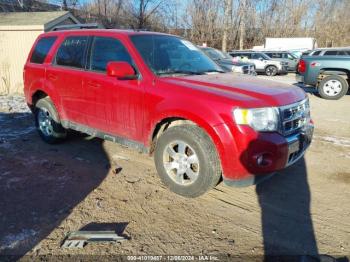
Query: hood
point(244, 89)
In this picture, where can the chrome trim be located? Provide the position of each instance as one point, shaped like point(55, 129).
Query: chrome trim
point(299, 111)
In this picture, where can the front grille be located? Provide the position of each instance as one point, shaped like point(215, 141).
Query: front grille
point(294, 117)
point(248, 69)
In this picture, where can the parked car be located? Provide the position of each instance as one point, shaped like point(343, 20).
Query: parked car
point(160, 94)
point(284, 56)
point(329, 52)
point(329, 74)
point(262, 62)
point(227, 63)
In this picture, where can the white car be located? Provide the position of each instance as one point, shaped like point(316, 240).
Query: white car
point(262, 62)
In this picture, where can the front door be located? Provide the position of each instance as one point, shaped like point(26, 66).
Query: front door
point(114, 106)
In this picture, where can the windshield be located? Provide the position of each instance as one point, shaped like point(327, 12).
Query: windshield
point(292, 56)
point(266, 57)
point(213, 54)
point(216, 54)
point(168, 55)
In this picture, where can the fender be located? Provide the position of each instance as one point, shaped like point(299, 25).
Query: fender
point(50, 91)
point(213, 125)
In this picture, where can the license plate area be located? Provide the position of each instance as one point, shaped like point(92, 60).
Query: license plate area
point(294, 147)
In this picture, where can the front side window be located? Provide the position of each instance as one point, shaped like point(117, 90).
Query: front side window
point(41, 49)
point(72, 52)
point(104, 50)
point(260, 56)
point(167, 55)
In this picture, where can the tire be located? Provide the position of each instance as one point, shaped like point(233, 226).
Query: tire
point(271, 70)
point(48, 123)
point(333, 87)
point(187, 143)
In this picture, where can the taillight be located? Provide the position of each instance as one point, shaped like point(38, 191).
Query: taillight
point(301, 66)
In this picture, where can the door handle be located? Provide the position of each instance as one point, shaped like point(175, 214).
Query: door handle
point(52, 77)
point(93, 84)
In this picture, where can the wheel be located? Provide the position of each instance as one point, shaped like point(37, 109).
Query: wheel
point(333, 87)
point(47, 122)
point(271, 70)
point(186, 160)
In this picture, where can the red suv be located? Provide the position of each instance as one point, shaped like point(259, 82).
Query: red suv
point(161, 94)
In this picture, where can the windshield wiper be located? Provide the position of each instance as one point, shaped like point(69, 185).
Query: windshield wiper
point(181, 72)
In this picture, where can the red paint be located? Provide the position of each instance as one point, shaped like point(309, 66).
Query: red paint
point(131, 108)
point(120, 70)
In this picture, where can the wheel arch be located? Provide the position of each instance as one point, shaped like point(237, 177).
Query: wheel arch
point(167, 121)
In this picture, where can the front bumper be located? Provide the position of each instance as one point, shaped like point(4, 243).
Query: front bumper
point(283, 70)
point(275, 151)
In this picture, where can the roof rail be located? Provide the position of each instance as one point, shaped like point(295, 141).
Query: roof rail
point(76, 26)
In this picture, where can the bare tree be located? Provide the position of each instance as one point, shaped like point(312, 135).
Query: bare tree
point(227, 23)
point(142, 10)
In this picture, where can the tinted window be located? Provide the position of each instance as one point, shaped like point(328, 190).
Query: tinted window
point(105, 50)
point(276, 55)
point(257, 56)
point(342, 53)
point(316, 53)
point(41, 49)
point(331, 53)
point(72, 52)
point(269, 54)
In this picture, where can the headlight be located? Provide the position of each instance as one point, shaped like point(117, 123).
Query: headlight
point(260, 119)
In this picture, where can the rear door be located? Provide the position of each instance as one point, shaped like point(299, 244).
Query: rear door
point(65, 76)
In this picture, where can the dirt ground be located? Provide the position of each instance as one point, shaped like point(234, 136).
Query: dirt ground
point(86, 183)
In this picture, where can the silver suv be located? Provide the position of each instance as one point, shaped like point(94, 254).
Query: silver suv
point(262, 62)
point(284, 56)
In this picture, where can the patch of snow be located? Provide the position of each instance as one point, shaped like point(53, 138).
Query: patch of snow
point(13, 104)
point(339, 141)
point(13, 240)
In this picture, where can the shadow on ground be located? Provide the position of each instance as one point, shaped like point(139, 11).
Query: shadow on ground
point(40, 184)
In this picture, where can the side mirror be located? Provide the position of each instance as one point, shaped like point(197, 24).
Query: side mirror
point(261, 59)
point(121, 70)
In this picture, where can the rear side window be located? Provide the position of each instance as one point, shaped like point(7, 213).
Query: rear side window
point(105, 50)
point(72, 52)
point(276, 55)
point(331, 53)
point(41, 49)
point(316, 53)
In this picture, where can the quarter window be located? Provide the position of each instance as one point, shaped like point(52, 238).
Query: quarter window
point(41, 49)
point(72, 52)
point(105, 50)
